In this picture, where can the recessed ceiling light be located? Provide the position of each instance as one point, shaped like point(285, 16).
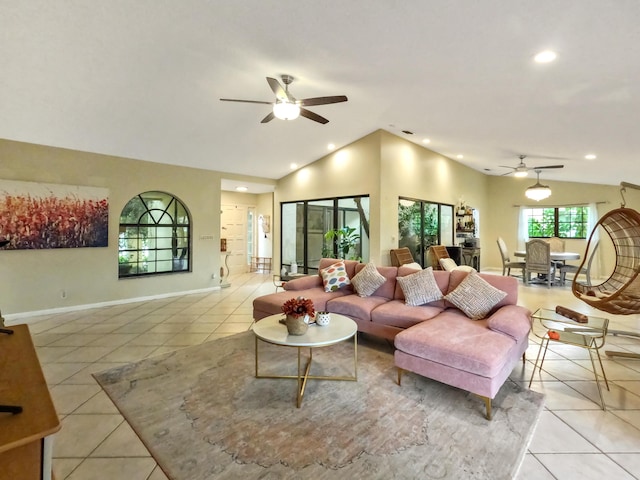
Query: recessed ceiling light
point(241, 189)
point(331, 146)
point(293, 166)
point(590, 156)
point(545, 56)
point(426, 140)
point(460, 157)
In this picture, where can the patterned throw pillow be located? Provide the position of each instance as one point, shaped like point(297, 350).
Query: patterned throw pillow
point(368, 280)
point(335, 277)
point(475, 297)
point(420, 288)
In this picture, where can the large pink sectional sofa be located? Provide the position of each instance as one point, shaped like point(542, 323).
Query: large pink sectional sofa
point(435, 340)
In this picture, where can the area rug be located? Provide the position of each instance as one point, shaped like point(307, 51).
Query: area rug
point(203, 415)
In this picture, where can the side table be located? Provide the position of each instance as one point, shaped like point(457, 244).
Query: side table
point(590, 335)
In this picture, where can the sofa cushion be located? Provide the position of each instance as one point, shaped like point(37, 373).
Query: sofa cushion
point(420, 288)
point(367, 280)
point(303, 283)
point(511, 320)
point(272, 304)
point(396, 313)
point(475, 297)
point(454, 340)
point(354, 306)
point(335, 277)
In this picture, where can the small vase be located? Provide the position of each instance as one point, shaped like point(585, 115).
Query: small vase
point(296, 325)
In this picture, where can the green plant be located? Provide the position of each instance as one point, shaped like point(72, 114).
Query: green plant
point(345, 239)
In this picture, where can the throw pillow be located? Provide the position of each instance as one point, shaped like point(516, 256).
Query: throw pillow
point(420, 287)
point(475, 297)
point(368, 280)
point(414, 265)
point(449, 264)
point(335, 277)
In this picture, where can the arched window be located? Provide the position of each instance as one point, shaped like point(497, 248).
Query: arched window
point(154, 236)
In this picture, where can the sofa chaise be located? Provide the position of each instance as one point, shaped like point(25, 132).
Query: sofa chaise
point(444, 339)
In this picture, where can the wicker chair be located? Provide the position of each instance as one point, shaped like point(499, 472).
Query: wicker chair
point(400, 256)
point(437, 253)
point(620, 293)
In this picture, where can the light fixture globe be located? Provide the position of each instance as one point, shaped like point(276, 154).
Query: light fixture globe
point(538, 192)
point(286, 110)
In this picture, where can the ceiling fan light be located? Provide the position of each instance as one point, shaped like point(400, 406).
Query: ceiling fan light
point(520, 173)
point(538, 192)
point(286, 110)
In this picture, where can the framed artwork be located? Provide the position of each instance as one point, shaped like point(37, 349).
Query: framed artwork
point(41, 215)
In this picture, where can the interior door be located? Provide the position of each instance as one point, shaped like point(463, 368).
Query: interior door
point(234, 228)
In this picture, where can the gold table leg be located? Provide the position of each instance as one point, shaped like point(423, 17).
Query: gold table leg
point(301, 378)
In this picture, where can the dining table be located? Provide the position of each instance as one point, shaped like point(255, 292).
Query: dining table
point(555, 256)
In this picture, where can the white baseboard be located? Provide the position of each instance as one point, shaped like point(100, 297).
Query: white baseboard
point(27, 317)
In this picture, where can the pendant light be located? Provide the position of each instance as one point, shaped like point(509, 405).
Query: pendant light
point(538, 191)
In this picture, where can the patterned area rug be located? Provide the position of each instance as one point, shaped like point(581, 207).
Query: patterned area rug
point(203, 415)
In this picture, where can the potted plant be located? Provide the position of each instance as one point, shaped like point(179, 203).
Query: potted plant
point(298, 311)
point(345, 239)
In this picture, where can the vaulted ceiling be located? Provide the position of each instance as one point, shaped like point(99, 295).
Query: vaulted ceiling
point(143, 79)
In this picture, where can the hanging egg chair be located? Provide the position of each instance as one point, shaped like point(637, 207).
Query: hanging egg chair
point(620, 293)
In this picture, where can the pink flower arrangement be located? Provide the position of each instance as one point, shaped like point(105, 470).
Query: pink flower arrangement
point(299, 307)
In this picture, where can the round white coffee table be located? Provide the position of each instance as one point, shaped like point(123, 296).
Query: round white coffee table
point(341, 328)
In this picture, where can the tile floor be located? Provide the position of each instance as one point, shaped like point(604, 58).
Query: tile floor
point(574, 438)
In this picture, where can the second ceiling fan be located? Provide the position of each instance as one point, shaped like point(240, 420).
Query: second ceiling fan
point(521, 170)
point(287, 107)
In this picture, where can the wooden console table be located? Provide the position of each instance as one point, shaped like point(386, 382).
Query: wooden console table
point(25, 442)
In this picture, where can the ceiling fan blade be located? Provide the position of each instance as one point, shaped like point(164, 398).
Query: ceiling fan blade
point(313, 116)
point(245, 101)
point(309, 102)
point(548, 166)
point(268, 118)
point(507, 166)
point(280, 92)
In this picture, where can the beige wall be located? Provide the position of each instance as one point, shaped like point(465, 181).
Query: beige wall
point(352, 170)
point(33, 280)
point(381, 165)
point(506, 194)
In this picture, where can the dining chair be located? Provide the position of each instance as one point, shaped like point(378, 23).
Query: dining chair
point(568, 268)
point(538, 260)
point(507, 264)
point(556, 244)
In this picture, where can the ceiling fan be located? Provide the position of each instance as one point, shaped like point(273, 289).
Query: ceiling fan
point(521, 170)
point(287, 107)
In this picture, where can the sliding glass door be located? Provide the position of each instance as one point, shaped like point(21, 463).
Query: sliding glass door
point(422, 224)
point(305, 225)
